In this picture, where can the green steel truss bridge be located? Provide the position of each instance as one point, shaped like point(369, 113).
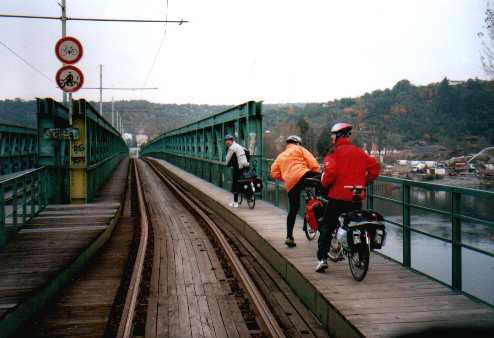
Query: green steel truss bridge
point(94, 243)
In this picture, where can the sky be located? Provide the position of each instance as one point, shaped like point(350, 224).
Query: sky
point(233, 51)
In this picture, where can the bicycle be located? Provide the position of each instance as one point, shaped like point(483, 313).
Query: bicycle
point(357, 234)
point(250, 185)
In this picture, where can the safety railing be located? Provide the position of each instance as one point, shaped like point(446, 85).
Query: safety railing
point(199, 146)
point(18, 148)
point(446, 232)
point(22, 196)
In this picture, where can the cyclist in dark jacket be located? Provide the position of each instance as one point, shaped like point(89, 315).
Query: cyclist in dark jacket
point(347, 165)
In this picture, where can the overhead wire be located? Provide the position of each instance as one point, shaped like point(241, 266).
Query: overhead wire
point(159, 48)
point(30, 65)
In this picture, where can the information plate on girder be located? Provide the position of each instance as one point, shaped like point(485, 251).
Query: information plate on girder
point(62, 134)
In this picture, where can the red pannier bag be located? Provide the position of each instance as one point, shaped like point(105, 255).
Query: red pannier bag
point(314, 213)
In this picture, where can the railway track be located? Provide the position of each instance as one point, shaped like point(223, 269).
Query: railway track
point(279, 311)
point(264, 316)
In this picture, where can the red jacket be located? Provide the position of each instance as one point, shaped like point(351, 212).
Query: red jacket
point(347, 165)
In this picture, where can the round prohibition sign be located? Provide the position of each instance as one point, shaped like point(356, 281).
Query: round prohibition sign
point(68, 50)
point(69, 79)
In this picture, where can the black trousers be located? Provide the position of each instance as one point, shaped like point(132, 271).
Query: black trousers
point(334, 209)
point(236, 176)
point(294, 202)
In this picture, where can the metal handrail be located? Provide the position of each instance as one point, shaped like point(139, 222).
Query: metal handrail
point(28, 188)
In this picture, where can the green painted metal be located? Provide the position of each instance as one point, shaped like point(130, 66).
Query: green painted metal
point(53, 154)
point(455, 213)
point(18, 148)
point(21, 197)
point(407, 237)
point(199, 147)
point(456, 237)
point(103, 148)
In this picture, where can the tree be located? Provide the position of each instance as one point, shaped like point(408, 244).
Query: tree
point(306, 133)
point(487, 42)
point(323, 143)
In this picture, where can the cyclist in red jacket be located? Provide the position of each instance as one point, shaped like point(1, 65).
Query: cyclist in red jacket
point(346, 165)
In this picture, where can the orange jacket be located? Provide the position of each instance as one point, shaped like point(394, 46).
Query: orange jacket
point(292, 164)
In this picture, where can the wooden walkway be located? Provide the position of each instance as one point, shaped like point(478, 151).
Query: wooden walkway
point(47, 244)
point(392, 300)
point(83, 308)
point(189, 293)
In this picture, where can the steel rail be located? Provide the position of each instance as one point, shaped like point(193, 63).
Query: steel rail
point(268, 320)
point(127, 319)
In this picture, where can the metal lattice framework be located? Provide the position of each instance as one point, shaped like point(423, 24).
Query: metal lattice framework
point(18, 148)
point(199, 147)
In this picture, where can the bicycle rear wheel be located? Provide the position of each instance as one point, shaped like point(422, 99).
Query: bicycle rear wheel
point(358, 260)
point(309, 232)
point(335, 249)
point(251, 201)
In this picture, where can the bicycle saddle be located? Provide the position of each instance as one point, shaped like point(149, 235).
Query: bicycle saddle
point(313, 182)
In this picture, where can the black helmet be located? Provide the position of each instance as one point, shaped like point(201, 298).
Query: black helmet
point(229, 137)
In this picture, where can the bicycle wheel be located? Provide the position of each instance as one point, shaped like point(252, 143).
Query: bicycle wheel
point(358, 260)
point(251, 201)
point(335, 249)
point(309, 232)
point(240, 198)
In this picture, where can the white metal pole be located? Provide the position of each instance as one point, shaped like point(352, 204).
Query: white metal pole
point(116, 120)
point(101, 89)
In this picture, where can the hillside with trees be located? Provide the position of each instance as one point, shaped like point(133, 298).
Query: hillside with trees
point(457, 117)
point(445, 118)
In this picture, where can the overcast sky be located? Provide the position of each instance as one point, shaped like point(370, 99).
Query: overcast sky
point(233, 51)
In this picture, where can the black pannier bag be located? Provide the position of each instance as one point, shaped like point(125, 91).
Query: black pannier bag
point(371, 221)
point(249, 177)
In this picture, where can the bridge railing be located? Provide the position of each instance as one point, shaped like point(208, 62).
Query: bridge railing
point(446, 232)
point(18, 148)
point(458, 221)
point(199, 147)
point(22, 196)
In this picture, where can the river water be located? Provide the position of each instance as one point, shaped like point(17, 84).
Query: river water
point(433, 256)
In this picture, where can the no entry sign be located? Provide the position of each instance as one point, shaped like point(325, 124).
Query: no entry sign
point(68, 50)
point(69, 78)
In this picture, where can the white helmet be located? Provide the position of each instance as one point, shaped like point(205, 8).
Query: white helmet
point(294, 139)
point(340, 127)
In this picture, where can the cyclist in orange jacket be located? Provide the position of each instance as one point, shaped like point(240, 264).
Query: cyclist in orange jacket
point(292, 166)
point(346, 165)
